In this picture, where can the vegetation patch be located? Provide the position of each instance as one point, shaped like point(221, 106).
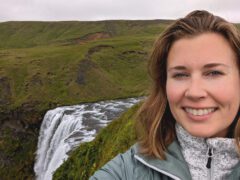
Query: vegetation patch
point(17, 154)
point(88, 37)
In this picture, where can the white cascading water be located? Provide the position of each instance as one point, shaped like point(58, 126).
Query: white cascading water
point(64, 128)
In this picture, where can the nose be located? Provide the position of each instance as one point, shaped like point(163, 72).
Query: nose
point(195, 90)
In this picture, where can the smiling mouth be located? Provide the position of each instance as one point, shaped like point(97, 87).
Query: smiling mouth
point(199, 112)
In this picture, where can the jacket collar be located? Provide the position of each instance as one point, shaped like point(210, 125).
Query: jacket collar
point(195, 151)
point(174, 166)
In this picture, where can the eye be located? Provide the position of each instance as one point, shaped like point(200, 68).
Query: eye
point(180, 75)
point(214, 73)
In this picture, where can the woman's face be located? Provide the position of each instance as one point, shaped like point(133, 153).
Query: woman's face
point(203, 84)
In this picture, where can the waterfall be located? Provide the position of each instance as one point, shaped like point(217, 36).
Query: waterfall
point(65, 128)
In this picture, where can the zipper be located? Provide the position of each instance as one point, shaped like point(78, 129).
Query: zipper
point(156, 169)
point(210, 163)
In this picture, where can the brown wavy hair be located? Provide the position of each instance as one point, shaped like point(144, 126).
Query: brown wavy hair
point(155, 123)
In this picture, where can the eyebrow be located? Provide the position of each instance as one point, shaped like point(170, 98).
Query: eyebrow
point(206, 66)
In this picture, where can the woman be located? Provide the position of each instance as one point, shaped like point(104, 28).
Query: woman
point(189, 125)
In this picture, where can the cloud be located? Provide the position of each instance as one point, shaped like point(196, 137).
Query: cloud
point(50, 10)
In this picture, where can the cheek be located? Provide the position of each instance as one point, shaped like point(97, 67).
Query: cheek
point(228, 92)
point(174, 92)
point(230, 98)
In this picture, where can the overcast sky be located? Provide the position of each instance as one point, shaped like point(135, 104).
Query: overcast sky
point(62, 10)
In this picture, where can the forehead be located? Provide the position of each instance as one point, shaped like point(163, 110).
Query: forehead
point(200, 50)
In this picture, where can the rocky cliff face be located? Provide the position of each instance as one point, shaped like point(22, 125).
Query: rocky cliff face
point(18, 135)
point(18, 141)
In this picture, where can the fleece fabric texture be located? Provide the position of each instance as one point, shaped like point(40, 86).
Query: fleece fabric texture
point(195, 151)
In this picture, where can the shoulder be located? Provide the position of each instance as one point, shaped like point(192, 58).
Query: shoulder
point(132, 165)
point(120, 167)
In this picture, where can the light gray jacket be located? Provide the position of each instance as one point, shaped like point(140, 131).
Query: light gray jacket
point(134, 166)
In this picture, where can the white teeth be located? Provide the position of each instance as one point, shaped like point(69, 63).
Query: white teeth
point(199, 112)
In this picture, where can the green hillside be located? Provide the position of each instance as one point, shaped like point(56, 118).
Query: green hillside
point(58, 63)
point(31, 34)
point(44, 65)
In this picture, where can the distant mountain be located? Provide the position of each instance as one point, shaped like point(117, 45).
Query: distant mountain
point(17, 34)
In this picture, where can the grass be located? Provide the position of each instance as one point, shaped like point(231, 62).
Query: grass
point(49, 73)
